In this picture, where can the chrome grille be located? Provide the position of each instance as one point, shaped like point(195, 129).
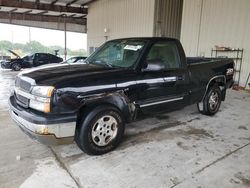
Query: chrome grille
point(23, 84)
point(21, 100)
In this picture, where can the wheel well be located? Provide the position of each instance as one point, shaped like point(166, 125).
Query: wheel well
point(14, 63)
point(215, 82)
point(220, 81)
point(84, 110)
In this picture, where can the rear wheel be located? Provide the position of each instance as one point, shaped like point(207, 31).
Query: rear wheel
point(16, 67)
point(212, 101)
point(100, 130)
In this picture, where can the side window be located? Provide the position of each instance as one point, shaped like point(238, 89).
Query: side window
point(36, 59)
point(41, 59)
point(164, 53)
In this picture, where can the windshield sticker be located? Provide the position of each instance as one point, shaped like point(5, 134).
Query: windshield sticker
point(133, 47)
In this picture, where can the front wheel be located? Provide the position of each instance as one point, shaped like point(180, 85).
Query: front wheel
point(100, 130)
point(212, 101)
point(16, 67)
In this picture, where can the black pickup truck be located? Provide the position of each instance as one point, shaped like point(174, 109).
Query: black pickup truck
point(90, 103)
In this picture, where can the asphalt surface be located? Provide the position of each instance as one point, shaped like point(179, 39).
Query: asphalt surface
point(177, 149)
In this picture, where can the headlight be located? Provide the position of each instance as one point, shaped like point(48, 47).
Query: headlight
point(42, 98)
point(40, 106)
point(42, 91)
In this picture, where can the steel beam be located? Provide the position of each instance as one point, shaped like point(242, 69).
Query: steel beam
point(43, 6)
point(40, 18)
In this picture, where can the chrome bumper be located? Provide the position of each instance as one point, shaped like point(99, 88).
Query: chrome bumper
point(51, 134)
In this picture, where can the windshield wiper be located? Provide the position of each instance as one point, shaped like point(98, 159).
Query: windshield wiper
point(108, 64)
point(102, 63)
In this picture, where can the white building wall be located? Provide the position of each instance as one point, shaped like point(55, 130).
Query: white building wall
point(168, 15)
point(206, 23)
point(121, 18)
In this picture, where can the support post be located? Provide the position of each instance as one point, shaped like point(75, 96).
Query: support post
point(65, 38)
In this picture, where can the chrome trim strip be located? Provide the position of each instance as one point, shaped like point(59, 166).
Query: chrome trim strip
point(59, 130)
point(160, 102)
point(126, 84)
point(150, 81)
point(89, 88)
point(87, 96)
point(170, 79)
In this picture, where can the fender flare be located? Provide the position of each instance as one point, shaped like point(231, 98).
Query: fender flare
point(217, 79)
point(117, 99)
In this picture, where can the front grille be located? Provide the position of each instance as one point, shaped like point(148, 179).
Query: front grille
point(21, 100)
point(23, 84)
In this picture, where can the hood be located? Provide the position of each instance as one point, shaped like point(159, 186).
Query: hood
point(15, 54)
point(72, 75)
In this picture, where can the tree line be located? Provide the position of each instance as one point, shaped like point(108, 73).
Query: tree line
point(35, 47)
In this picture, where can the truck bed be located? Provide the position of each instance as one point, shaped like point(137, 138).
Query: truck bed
point(202, 69)
point(194, 60)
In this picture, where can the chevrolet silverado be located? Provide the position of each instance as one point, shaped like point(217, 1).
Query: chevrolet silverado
point(90, 103)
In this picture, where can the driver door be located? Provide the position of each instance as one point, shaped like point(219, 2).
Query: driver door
point(40, 59)
point(164, 81)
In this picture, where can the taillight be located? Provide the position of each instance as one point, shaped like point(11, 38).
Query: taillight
point(230, 71)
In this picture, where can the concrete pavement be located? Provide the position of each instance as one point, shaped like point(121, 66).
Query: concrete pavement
point(177, 149)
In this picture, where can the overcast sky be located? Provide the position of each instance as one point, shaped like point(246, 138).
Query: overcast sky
point(48, 37)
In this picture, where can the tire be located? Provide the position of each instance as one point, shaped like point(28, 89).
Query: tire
point(16, 67)
point(100, 130)
point(212, 101)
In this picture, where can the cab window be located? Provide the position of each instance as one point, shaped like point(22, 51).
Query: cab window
point(166, 54)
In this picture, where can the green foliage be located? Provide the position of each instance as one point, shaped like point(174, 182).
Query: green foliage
point(4, 44)
point(34, 47)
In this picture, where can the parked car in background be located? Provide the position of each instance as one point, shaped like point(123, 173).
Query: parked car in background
point(5, 58)
point(32, 60)
point(71, 60)
point(76, 59)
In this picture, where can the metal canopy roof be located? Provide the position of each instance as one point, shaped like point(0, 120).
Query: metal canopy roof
point(69, 11)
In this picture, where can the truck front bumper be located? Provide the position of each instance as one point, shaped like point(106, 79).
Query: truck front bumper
point(47, 129)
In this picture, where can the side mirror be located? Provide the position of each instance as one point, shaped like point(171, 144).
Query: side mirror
point(153, 65)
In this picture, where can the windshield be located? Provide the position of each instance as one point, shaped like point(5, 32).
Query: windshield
point(28, 57)
point(118, 53)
